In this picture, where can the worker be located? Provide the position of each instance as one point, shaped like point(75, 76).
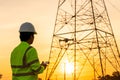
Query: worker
point(24, 60)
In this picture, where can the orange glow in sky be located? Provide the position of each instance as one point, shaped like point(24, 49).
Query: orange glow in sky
point(42, 14)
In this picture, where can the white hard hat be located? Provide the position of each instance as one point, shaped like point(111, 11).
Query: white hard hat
point(27, 27)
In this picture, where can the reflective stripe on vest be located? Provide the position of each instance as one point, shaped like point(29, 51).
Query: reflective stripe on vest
point(27, 73)
point(24, 66)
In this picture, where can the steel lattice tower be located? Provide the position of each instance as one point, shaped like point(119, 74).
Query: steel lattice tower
point(84, 37)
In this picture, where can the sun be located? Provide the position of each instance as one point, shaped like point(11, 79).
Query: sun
point(69, 68)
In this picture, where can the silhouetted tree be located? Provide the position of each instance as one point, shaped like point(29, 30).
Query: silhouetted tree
point(0, 76)
point(107, 77)
point(115, 76)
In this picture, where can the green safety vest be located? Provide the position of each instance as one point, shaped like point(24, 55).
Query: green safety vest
point(25, 64)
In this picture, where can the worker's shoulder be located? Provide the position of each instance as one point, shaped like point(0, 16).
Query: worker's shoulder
point(31, 48)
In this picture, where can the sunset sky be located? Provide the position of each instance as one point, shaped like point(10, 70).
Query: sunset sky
point(42, 14)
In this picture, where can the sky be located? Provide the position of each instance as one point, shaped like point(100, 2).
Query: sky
point(42, 14)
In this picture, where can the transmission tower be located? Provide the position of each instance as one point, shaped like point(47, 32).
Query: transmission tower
point(82, 36)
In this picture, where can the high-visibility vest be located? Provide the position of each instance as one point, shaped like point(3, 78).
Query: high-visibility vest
point(25, 64)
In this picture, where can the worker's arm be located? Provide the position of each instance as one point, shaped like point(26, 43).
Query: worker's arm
point(33, 61)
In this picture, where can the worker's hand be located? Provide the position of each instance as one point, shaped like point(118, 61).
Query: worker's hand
point(44, 63)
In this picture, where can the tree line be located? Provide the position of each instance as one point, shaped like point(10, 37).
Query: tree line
point(114, 76)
